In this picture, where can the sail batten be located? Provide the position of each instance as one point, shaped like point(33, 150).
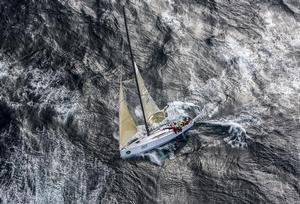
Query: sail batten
point(152, 112)
point(127, 126)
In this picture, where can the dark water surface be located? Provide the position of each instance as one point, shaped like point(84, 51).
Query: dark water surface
point(236, 63)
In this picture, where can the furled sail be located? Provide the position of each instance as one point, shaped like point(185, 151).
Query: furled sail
point(127, 126)
point(152, 112)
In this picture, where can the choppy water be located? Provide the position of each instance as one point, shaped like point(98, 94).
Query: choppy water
point(233, 64)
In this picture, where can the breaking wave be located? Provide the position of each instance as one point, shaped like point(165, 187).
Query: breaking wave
point(235, 134)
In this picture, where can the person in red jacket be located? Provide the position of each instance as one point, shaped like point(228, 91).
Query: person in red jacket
point(173, 127)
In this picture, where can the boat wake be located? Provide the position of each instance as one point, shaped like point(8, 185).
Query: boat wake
point(235, 135)
point(159, 155)
point(155, 157)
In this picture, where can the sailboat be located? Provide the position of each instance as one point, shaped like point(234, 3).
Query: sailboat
point(130, 144)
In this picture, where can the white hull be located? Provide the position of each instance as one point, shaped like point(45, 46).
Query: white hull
point(151, 142)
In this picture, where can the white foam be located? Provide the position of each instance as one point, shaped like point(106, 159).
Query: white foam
point(159, 155)
point(154, 157)
point(3, 71)
point(237, 134)
point(80, 6)
point(63, 100)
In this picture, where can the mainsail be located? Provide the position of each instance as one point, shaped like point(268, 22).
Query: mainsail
point(152, 112)
point(127, 126)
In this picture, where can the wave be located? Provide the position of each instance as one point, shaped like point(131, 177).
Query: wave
point(159, 155)
point(235, 135)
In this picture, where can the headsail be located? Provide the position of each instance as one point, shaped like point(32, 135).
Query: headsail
point(127, 126)
point(152, 112)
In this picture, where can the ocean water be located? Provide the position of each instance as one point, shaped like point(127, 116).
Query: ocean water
point(231, 65)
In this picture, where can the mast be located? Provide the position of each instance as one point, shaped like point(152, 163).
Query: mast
point(135, 74)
